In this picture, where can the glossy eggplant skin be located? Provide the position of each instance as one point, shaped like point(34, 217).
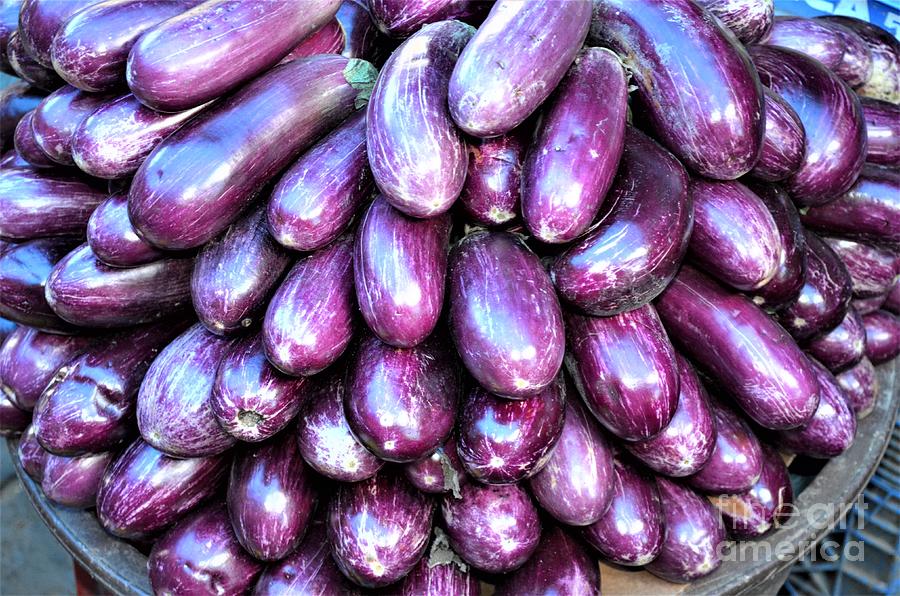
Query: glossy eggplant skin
point(873, 271)
point(59, 115)
point(27, 68)
point(311, 317)
point(855, 67)
point(74, 481)
point(401, 402)
point(490, 195)
point(784, 146)
point(487, 96)
point(572, 161)
point(199, 179)
point(505, 318)
point(694, 535)
point(145, 490)
point(842, 347)
point(39, 21)
point(860, 385)
point(250, 398)
point(493, 528)
point(12, 420)
point(641, 236)
point(400, 18)
point(317, 197)
point(378, 528)
point(112, 237)
point(746, 352)
point(882, 336)
point(885, 80)
point(174, 413)
point(32, 456)
point(631, 531)
point(749, 20)
point(688, 441)
point(27, 147)
point(362, 39)
point(408, 118)
point(84, 291)
point(9, 21)
point(201, 555)
point(832, 118)
point(399, 270)
point(560, 565)
point(624, 367)
point(866, 306)
point(808, 36)
point(440, 472)
point(883, 131)
point(736, 461)
point(328, 39)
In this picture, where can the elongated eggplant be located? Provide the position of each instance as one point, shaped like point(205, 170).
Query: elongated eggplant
point(32, 456)
point(84, 291)
point(488, 93)
point(493, 528)
point(362, 39)
point(112, 237)
point(808, 36)
point(328, 39)
point(641, 237)
point(378, 528)
point(310, 319)
point(440, 472)
point(784, 145)
point(883, 131)
point(12, 420)
point(736, 461)
point(27, 147)
point(59, 115)
point(749, 20)
point(220, 45)
point(512, 341)
point(560, 565)
point(189, 189)
point(401, 403)
point(842, 347)
point(27, 68)
point(860, 385)
point(885, 80)
point(624, 367)
point(872, 270)
point(200, 555)
point(694, 535)
point(832, 118)
point(74, 481)
point(174, 413)
point(440, 572)
point(16, 100)
point(399, 268)
point(490, 195)
point(145, 490)
point(399, 19)
point(749, 354)
point(882, 336)
point(577, 147)
point(39, 21)
point(317, 197)
point(855, 67)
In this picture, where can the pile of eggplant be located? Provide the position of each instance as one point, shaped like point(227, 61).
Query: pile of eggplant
point(323, 297)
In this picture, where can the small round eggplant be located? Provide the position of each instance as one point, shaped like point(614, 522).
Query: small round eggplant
point(74, 481)
point(736, 461)
point(490, 196)
point(882, 336)
point(27, 68)
point(855, 67)
point(12, 420)
point(749, 20)
point(631, 531)
point(27, 147)
point(440, 575)
point(493, 528)
point(885, 80)
point(112, 237)
point(883, 130)
point(32, 456)
point(440, 472)
point(57, 117)
point(808, 36)
point(872, 270)
point(502, 441)
point(560, 565)
point(378, 528)
point(842, 347)
point(39, 22)
point(860, 385)
point(784, 145)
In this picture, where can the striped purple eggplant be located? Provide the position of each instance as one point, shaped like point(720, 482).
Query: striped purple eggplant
point(40, 20)
point(892, 303)
point(408, 119)
point(16, 100)
point(624, 367)
point(490, 195)
point(493, 90)
point(189, 189)
point(784, 145)
point(32, 456)
point(328, 39)
point(440, 472)
point(145, 490)
point(362, 39)
point(402, 18)
point(641, 237)
point(807, 36)
point(882, 336)
point(493, 528)
point(694, 535)
point(12, 420)
point(745, 351)
point(873, 271)
point(631, 531)
point(200, 555)
point(749, 20)
point(439, 573)
point(74, 481)
point(576, 486)
point(174, 413)
point(505, 317)
point(885, 80)
point(832, 118)
point(59, 115)
point(311, 318)
point(399, 268)
point(860, 385)
point(378, 528)
point(842, 347)
point(317, 197)
point(736, 460)
point(883, 131)
point(688, 441)
point(112, 237)
point(27, 147)
point(27, 68)
point(560, 565)
point(84, 291)
point(572, 161)
point(401, 403)
point(855, 67)
point(865, 306)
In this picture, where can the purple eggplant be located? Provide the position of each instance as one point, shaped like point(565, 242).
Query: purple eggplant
point(316, 199)
point(736, 461)
point(755, 512)
point(571, 163)
point(576, 484)
point(440, 573)
point(807, 36)
point(201, 555)
point(493, 528)
point(694, 535)
point(74, 481)
point(784, 146)
point(688, 441)
point(399, 268)
point(378, 528)
point(408, 119)
point(631, 531)
point(560, 565)
point(860, 385)
point(401, 403)
point(402, 18)
point(825, 296)
point(311, 318)
point(12, 420)
point(59, 115)
point(892, 302)
point(640, 239)
point(749, 20)
point(865, 306)
point(39, 21)
point(885, 80)
point(872, 270)
point(32, 456)
point(189, 189)
point(328, 39)
point(505, 317)
point(84, 291)
point(145, 490)
point(9, 20)
point(492, 90)
point(362, 39)
point(842, 347)
point(855, 66)
point(27, 68)
point(490, 195)
point(112, 237)
point(832, 118)
point(882, 336)
point(16, 100)
point(883, 131)
point(27, 147)
point(324, 437)
point(745, 351)
point(174, 413)
point(624, 367)
point(440, 472)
